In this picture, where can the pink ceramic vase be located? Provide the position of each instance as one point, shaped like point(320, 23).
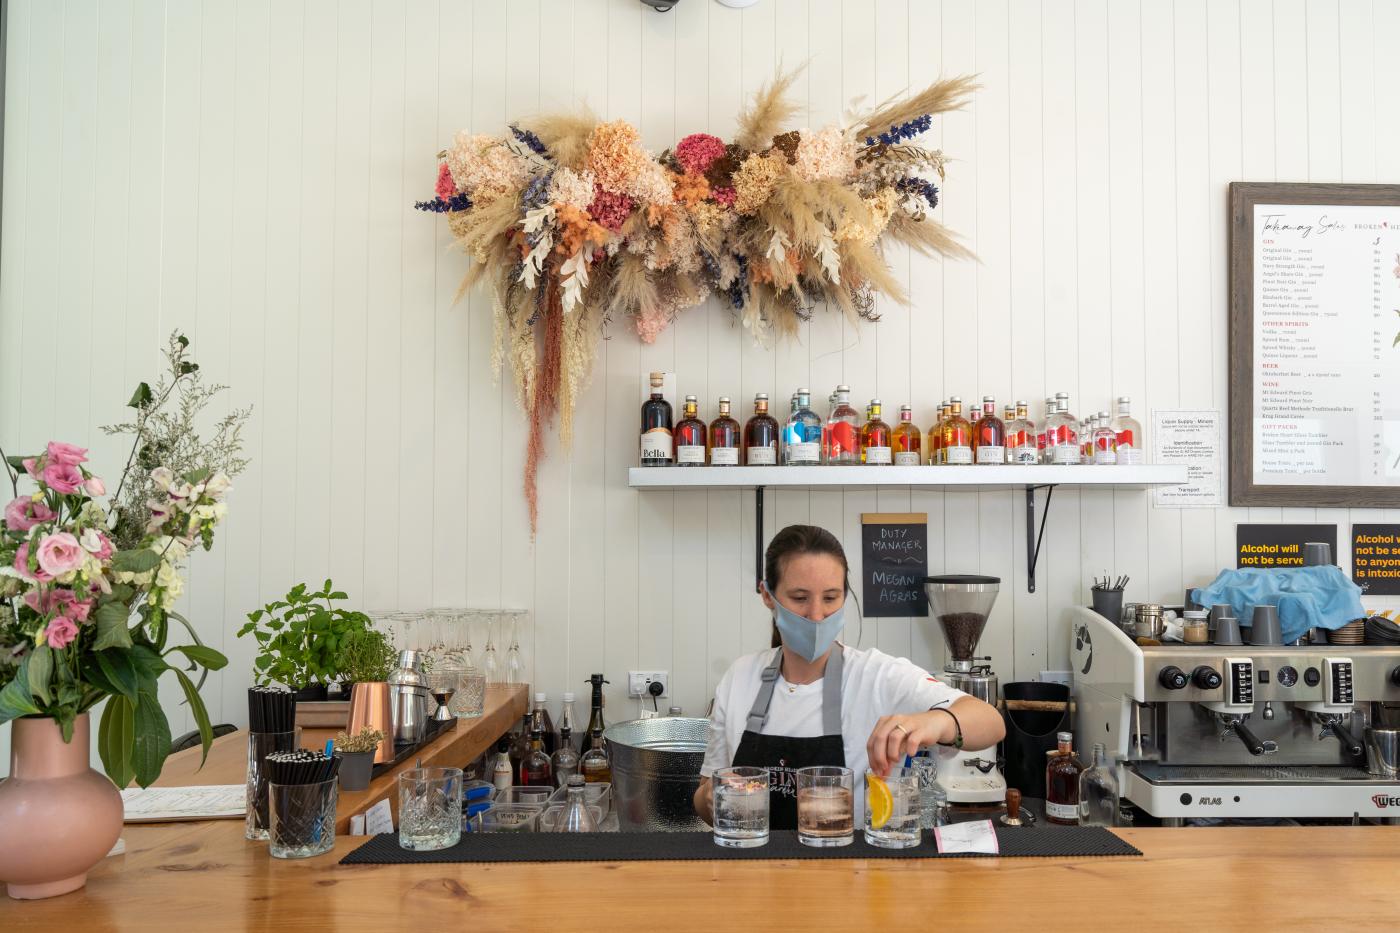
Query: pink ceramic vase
point(60, 817)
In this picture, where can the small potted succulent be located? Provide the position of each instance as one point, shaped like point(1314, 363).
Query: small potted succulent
point(357, 757)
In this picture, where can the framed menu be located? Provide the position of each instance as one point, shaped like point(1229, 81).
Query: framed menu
point(1315, 345)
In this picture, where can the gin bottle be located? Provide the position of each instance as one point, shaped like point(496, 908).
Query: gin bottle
point(724, 437)
point(761, 435)
point(843, 431)
point(1104, 441)
point(955, 436)
point(1062, 432)
point(690, 436)
point(802, 435)
point(876, 446)
point(1098, 792)
point(989, 435)
point(1129, 438)
point(1021, 445)
point(656, 447)
point(907, 442)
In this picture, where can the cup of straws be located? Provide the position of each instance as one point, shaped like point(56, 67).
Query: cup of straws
point(301, 802)
point(271, 728)
point(1108, 597)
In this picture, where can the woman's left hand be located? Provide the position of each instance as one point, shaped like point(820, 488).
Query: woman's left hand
point(897, 736)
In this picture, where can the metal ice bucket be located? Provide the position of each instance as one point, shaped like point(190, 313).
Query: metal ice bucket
point(655, 770)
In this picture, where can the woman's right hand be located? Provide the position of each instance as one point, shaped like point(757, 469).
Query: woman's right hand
point(704, 800)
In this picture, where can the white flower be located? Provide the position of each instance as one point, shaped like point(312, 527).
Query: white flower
point(160, 514)
point(166, 576)
point(162, 477)
point(91, 540)
point(213, 513)
point(217, 486)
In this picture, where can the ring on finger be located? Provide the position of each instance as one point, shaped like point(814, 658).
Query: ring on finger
point(900, 727)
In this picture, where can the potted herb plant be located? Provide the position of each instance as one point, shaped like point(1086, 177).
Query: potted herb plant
point(300, 638)
point(357, 757)
point(366, 656)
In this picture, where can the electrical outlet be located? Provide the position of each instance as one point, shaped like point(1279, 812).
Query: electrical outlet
point(1057, 677)
point(639, 681)
point(649, 713)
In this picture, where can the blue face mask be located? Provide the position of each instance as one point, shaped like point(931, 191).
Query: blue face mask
point(809, 639)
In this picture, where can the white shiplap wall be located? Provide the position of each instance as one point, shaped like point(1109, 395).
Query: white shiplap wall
point(245, 172)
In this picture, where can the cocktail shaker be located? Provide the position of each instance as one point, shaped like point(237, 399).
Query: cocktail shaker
point(408, 699)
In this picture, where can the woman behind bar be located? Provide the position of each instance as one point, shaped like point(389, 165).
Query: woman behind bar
point(886, 707)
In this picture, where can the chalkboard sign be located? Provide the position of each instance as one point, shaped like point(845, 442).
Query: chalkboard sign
point(894, 561)
point(1375, 559)
point(1279, 545)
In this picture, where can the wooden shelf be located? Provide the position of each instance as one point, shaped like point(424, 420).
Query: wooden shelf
point(919, 477)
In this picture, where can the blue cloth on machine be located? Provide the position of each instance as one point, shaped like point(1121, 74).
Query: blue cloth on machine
point(1307, 597)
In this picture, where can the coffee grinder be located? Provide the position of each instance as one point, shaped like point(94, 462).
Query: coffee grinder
point(961, 603)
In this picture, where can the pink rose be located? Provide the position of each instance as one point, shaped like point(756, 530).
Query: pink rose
point(60, 553)
point(60, 632)
point(22, 565)
point(79, 611)
point(94, 486)
point(96, 544)
point(41, 601)
point(69, 454)
point(63, 477)
point(23, 514)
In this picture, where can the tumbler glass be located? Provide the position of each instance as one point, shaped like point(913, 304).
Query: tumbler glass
point(430, 808)
point(741, 807)
point(469, 702)
point(892, 809)
point(825, 806)
point(303, 819)
point(260, 745)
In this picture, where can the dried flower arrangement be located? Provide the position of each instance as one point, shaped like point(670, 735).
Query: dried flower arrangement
point(366, 740)
point(573, 224)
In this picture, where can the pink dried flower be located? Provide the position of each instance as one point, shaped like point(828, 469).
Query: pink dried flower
point(610, 209)
point(614, 156)
point(826, 153)
point(724, 196)
point(446, 189)
point(484, 168)
point(698, 150)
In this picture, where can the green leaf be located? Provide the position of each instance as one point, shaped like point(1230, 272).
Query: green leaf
point(195, 477)
point(40, 669)
point(117, 668)
point(152, 742)
point(149, 664)
point(140, 398)
point(111, 626)
point(115, 735)
point(17, 463)
point(15, 698)
point(137, 560)
point(202, 655)
point(201, 715)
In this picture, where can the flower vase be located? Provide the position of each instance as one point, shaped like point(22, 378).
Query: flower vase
point(60, 817)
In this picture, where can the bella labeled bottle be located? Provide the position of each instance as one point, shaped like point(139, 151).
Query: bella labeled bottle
point(1062, 771)
point(989, 435)
point(1129, 441)
point(908, 444)
point(656, 426)
point(724, 437)
point(955, 436)
point(876, 440)
point(761, 435)
point(690, 436)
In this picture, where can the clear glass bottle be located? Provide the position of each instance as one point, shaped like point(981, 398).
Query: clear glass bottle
point(1062, 433)
point(1105, 441)
point(843, 431)
point(1086, 438)
point(1008, 417)
point(876, 439)
point(656, 426)
point(567, 719)
point(575, 818)
point(502, 771)
point(536, 770)
point(1062, 770)
point(541, 722)
point(594, 765)
point(1129, 441)
point(724, 437)
point(1098, 792)
point(907, 443)
point(802, 436)
point(989, 435)
point(565, 759)
point(761, 435)
point(690, 436)
point(955, 436)
point(1021, 446)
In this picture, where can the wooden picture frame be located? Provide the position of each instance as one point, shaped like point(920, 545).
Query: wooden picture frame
point(1244, 491)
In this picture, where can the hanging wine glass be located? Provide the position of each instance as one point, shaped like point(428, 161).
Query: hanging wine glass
point(490, 662)
point(515, 667)
point(463, 638)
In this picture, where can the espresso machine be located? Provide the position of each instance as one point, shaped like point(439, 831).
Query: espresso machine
point(1235, 730)
point(961, 604)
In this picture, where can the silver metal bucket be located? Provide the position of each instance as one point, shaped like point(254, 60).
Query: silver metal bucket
point(655, 770)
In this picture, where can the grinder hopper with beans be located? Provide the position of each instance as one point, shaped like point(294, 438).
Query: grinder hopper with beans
point(961, 603)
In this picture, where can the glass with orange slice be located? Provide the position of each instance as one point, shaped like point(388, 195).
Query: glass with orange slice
point(892, 809)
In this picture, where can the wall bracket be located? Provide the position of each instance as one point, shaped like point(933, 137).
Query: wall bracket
point(1034, 539)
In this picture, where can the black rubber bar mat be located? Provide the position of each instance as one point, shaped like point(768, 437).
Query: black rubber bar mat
point(1074, 841)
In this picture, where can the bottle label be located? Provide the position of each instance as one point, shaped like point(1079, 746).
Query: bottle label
point(986, 453)
point(1066, 454)
point(878, 456)
point(804, 452)
point(690, 454)
point(763, 456)
point(1104, 456)
point(1025, 455)
point(656, 445)
point(1128, 455)
point(957, 455)
point(1062, 811)
point(906, 458)
point(724, 456)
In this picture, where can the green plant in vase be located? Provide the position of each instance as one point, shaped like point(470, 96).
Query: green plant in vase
point(300, 636)
point(365, 657)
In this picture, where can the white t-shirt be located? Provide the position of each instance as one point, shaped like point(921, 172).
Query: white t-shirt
point(873, 684)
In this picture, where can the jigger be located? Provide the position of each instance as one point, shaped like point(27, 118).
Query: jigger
point(442, 684)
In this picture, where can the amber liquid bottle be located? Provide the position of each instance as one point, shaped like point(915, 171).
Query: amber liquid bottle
point(724, 437)
point(908, 449)
point(934, 437)
point(876, 439)
point(656, 426)
point(989, 435)
point(761, 435)
point(536, 770)
point(690, 437)
point(1062, 772)
point(955, 436)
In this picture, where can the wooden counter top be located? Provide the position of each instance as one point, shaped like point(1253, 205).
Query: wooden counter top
point(205, 876)
point(228, 757)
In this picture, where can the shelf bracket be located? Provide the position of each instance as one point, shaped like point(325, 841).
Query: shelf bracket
point(1034, 539)
point(758, 539)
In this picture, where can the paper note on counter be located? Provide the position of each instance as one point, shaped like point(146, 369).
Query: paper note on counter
point(977, 836)
point(379, 819)
point(177, 804)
